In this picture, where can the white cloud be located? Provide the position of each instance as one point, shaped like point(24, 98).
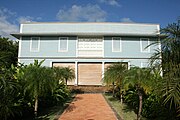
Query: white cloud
point(110, 2)
point(24, 19)
point(7, 27)
point(90, 13)
point(127, 20)
point(9, 22)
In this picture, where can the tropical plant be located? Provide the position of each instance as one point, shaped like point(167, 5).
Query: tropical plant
point(8, 52)
point(170, 53)
point(64, 73)
point(38, 81)
point(9, 89)
point(114, 75)
point(141, 78)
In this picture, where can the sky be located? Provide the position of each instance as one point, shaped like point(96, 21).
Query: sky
point(15, 12)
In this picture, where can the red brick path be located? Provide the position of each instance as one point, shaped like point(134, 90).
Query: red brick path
point(88, 107)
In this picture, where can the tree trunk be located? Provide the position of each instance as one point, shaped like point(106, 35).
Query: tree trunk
point(36, 106)
point(113, 89)
point(140, 107)
point(66, 81)
point(121, 97)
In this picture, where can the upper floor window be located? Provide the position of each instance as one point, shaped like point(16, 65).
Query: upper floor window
point(144, 42)
point(35, 44)
point(116, 44)
point(90, 43)
point(63, 44)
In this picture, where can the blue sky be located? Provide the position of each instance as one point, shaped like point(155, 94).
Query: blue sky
point(14, 12)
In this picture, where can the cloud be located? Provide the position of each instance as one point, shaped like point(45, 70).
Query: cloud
point(127, 20)
point(24, 19)
point(7, 27)
point(90, 13)
point(9, 22)
point(110, 2)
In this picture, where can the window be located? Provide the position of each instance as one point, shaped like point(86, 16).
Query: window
point(63, 44)
point(35, 44)
point(144, 42)
point(116, 44)
point(90, 43)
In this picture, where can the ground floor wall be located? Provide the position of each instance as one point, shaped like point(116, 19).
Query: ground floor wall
point(87, 71)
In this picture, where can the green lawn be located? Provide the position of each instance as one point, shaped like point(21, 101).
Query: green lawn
point(54, 112)
point(122, 110)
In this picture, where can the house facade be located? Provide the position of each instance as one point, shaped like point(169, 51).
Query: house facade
point(88, 48)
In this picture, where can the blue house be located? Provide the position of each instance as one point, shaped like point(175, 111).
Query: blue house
point(88, 48)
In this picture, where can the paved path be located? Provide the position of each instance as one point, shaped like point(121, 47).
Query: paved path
point(88, 107)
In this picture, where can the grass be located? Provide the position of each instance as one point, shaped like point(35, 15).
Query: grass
point(122, 109)
point(54, 112)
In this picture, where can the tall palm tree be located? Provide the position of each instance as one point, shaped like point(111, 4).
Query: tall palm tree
point(39, 80)
point(170, 53)
point(141, 78)
point(114, 75)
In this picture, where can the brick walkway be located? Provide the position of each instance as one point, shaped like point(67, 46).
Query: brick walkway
point(88, 107)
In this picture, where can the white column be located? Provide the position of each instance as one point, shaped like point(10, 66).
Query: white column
point(76, 73)
point(102, 70)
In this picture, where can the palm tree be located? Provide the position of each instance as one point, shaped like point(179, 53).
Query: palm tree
point(9, 89)
point(39, 80)
point(114, 75)
point(170, 53)
point(141, 78)
point(65, 73)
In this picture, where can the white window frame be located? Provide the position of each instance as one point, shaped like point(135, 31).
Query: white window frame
point(120, 44)
point(147, 50)
point(95, 47)
point(31, 49)
point(59, 49)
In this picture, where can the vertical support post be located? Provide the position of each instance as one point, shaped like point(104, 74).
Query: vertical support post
point(76, 73)
point(102, 71)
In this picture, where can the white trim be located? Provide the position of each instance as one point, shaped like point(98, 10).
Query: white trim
point(20, 47)
point(76, 73)
point(129, 65)
point(31, 50)
point(77, 46)
point(103, 47)
point(147, 50)
point(102, 70)
point(51, 65)
point(120, 44)
point(21, 27)
point(59, 50)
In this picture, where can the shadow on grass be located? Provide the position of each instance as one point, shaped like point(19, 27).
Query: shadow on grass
point(54, 112)
point(127, 108)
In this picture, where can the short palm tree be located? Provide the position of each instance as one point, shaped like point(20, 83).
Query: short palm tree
point(114, 75)
point(141, 78)
point(66, 74)
point(38, 81)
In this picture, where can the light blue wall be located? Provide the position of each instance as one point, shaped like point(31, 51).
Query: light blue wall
point(130, 48)
point(131, 52)
point(48, 62)
point(48, 47)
